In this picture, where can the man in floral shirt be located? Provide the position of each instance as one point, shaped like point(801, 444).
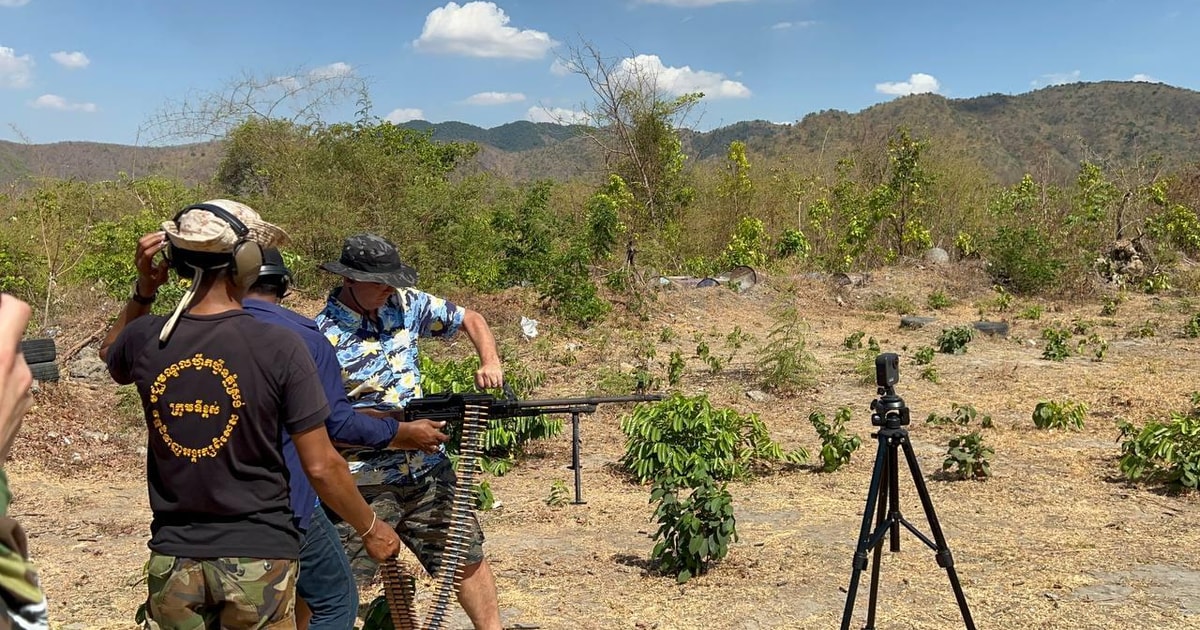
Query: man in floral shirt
point(374, 320)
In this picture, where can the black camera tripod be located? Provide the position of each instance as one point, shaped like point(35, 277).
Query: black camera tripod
point(883, 498)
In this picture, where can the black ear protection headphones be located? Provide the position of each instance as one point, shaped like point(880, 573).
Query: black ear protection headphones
point(284, 274)
point(243, 263)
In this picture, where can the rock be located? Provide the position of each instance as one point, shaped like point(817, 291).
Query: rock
point(759, 396)
point(936, 256)
point(994, 329)
point(88, 367)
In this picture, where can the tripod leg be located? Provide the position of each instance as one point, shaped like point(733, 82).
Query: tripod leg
point(888, 514)
point(864, 535)
point(944, 558)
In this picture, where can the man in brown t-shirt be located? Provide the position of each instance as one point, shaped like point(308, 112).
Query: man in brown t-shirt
point(218, 389)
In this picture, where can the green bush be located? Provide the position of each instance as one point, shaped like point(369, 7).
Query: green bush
point(1050, 414)
point(1164, 451)
point(836, 444)
point(1024, 258)
point(695, 528)
point(670, 438)
point(954, 340)
point(784, 363)
point(969, 457)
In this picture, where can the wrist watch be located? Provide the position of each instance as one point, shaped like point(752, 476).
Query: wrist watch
point(137, 297)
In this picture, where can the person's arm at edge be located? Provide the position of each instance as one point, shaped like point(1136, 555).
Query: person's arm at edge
point(490, 374)
point(150, 277)
point(331, 479)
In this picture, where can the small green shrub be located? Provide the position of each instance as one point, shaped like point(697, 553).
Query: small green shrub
point(1025, 258)
point(695, 528)
point(669, 438)
point(793, 243)
point(1032, 312)
point(675, 367)
point(1049, 414)
point(938, 300)
point(784, 363)
point(923, 355)
point(667, 335)
point(930, 373)
point(898, 304)
point(969, 457)
point(962, 415)
point(558, 494)
point(1056, 343)
point(1192, 328)
point(1164, 451)
point(836, 444)
point(1111, 302)
point(954, 340)
point(853, 341)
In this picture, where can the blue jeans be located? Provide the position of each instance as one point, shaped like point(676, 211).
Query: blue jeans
point(325, 581)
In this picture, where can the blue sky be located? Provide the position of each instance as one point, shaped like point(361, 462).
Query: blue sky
point(98, 69)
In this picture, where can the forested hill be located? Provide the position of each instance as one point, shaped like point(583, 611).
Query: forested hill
point(1053, 128)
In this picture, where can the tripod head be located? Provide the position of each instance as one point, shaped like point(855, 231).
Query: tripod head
point(889, 410)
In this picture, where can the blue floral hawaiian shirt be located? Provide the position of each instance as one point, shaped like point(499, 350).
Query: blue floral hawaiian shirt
point(379, 369)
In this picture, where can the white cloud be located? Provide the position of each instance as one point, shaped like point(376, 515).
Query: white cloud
point(404, 114)
point(1144, 78)
point(494, 98)
point(15, 71)
point(479, 29)
point(13, 3)
point(684, 80)
point(54, 101)
point(783, 26)
point(72, 60)
point(560, 68)
point(1056, 78)
point(691, 3)
point(336, 69)
point(918, 83)
point(557, 115)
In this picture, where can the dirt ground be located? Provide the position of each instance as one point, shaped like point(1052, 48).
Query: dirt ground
point(1053, 540)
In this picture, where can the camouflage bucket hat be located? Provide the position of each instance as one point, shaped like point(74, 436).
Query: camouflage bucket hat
point(372, 258)
point(199, 230)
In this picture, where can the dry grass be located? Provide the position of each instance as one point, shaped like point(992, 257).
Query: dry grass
point(1053, 540)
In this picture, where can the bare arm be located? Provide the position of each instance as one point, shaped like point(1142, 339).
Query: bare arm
point(151, 275)
point(489, 375)
point(331, 478)
point(15, 378)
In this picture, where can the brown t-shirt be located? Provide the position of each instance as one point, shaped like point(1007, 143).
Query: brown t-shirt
point(217, 398)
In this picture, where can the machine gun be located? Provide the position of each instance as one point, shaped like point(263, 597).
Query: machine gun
point(450, 407)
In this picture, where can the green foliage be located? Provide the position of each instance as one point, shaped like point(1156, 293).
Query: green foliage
point(675, 367)
point(505, 438)
point(672, 437)
point(1176, 225)
point(1056, 348)
point(1050, 414)
point(963, 415)
point(938, 300)
point(964, 244)
point(954, 340)
point(970, 458)
point(572, 292)
point(695, 529)
point(1158, 282)
point(793, 243)
point(1192, 328)
point(1111, 302)
point(736, 187)
point(853, 341)
point(930, 373)
point(784, 363)
point(923, 355)
point(667, 335)
point(836, 444)
point(604, 211)
point(898, 304)
point(1165, 450)
point(525, 238)
point(1032, 312)
point(558, 494)
point(485, 499)
point(1024, 258)
point(747, 245)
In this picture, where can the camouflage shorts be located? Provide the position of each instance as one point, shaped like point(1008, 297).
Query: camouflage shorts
point(187, 594)
point(420, 514)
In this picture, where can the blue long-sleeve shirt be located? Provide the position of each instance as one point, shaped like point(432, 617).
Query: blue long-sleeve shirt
point(344, 424)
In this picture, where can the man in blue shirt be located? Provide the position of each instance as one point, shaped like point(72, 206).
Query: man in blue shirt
point(325, 583)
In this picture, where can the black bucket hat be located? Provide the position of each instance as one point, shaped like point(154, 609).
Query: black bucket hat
point(371, 258)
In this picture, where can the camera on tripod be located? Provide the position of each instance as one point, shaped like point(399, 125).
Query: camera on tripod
point(889, 409)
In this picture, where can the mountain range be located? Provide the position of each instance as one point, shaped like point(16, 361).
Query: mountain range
point(1051, 128)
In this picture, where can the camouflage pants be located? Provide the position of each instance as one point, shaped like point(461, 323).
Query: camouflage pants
point(420, 514)
point(225, 593)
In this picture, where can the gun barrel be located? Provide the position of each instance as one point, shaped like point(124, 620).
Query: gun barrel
point(589, 402)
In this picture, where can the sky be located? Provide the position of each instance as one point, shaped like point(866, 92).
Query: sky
point(99, 70)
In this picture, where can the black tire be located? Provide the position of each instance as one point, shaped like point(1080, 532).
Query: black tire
point(707, 282)
point(38, 350)
point(992, 329)
point(45, 372)
point(914, 321)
